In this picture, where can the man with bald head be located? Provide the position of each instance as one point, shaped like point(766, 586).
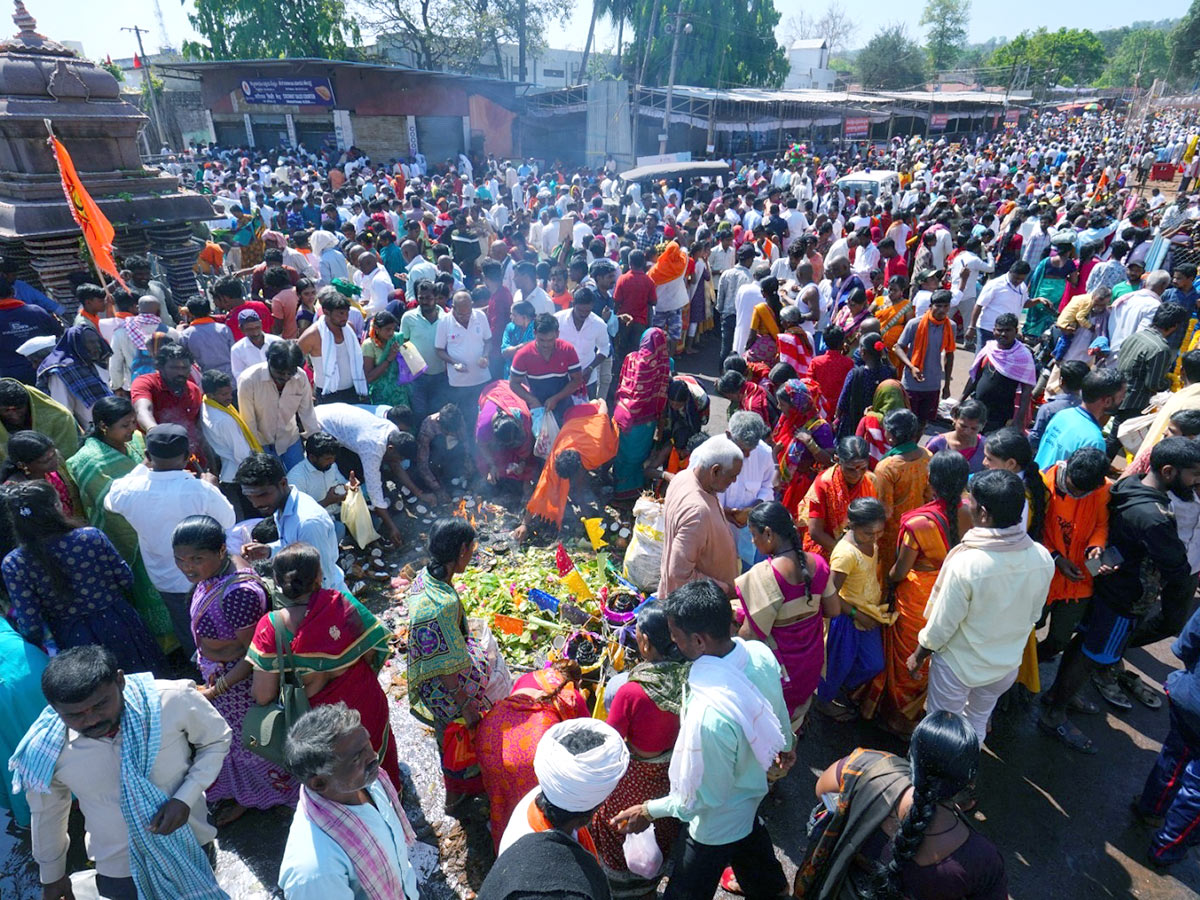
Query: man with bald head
point(375, 282)
point(499, 252)
point(461, 341)
point(416, 267)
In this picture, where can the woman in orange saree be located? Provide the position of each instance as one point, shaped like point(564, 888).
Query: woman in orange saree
point(826, 505)
point(927, 534)
point(506, 738)
point(901, 478)
point(893, 312)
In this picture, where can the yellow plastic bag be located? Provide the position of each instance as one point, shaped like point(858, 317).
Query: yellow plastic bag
point(356, 516)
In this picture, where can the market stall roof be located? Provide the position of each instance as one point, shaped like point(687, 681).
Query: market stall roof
point(676, 170)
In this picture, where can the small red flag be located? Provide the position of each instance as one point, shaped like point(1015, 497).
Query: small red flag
point(562, 561)
point(137, 63)
point(108, 60)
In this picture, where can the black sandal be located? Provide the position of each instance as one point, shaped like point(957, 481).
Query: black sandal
point(1068, 734)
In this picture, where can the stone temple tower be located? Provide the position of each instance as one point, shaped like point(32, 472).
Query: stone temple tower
point(42, 80)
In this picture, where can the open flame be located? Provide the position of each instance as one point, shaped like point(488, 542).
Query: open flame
point(461, 513)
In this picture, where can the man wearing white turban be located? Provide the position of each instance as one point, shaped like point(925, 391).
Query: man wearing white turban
point(734, 727)
point(546, 850)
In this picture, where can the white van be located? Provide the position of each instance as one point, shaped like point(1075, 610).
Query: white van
point(870, 183)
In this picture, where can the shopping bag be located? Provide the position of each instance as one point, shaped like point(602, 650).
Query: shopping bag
point(642, 853)
point(410, 364)
point(356, 516)
point(545, 430)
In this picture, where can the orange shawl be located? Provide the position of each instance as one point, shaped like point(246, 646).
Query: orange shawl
point(538, 822)
point(921, 340)
point(671, 264)
point(588, 430)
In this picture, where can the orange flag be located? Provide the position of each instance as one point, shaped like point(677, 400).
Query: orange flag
point(97, 230)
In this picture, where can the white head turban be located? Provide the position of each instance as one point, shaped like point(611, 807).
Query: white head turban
point(579, 782)
point(321, 240)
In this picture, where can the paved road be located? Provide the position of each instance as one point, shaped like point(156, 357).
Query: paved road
point(1061, 820)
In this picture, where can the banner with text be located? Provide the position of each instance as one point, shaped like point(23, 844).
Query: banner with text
point(856, 127)
point(288, 91)
point(938, 121)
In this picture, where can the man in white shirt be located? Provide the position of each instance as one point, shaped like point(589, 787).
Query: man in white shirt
point(318, 474)
point(964, 277)
point(376, 284)
point(1130, 312)
point(530, 291)
point(153, 499)
point(721, 256)
point(748, 296)
point(75, 751)
point(224, 429)
point(347, 802)
point(1006, 294)
point(755, 484)
point(461, 341)
point(587, 333)
point(252, 348)
point(992, 594)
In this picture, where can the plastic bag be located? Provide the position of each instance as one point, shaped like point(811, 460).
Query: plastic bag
point(643, 556)
point(410, 364)
point(356, 516)
point(545, 429)
point(642, 853)
point(500, 680)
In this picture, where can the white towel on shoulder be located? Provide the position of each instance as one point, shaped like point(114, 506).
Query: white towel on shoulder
point(329, 358)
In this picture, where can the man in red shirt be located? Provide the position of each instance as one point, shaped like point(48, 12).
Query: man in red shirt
point(499, 308)
point(893, 261)
point(546, 371)
point(230, 297)
point(169, 395)
point(829, 370)
point(634, 297)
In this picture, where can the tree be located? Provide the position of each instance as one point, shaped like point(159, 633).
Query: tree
point(114, 70)
point(891, 61)
point(1068, 56)
point(258, 29)
point(1142, 56)
point(834, 25)
point(730, 40)
point(1185, 44)
point(947, 21)
point(456, 34)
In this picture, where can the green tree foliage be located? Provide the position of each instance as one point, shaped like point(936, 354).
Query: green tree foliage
point(891, 61)
point(1066, 56)
point(730, 40)
point(1185, 44)
point(947, 21)
point(1144, 51)
point(114, 70)
point(266, 29)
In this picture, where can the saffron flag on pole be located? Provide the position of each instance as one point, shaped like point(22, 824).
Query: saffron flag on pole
point(97, 230)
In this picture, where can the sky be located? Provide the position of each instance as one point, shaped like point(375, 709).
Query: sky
point(98, 25)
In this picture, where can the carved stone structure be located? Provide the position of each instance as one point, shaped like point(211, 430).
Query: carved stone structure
point(40, 81)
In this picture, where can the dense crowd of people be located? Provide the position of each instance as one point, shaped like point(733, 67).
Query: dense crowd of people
point(861, 538)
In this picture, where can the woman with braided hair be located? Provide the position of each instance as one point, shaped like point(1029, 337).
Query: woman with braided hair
point(889, 828)
point(1009, 449)
point(926, 535)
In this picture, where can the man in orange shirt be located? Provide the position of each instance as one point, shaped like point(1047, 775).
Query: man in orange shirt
point(1075, 530)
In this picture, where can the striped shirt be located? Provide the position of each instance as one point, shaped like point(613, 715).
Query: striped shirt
point(1144, 361)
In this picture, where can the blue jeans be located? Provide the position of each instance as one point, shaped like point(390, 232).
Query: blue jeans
point(1173, 791)
point(428, 393)
point(289, 456)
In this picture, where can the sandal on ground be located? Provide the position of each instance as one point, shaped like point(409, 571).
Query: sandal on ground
point(729, 882)
point(1081, 704)
point(1068, 734)
point(1139, 690)
point(839, 712)
point(1111, 691)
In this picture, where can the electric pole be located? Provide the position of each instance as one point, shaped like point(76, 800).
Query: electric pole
point(662, 143)
point(154, 111)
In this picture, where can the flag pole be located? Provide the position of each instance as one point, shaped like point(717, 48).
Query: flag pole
point(104, 283)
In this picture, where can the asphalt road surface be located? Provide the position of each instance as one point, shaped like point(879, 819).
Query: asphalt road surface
point(1061, 820)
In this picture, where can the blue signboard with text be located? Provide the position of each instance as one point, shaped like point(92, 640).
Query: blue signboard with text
point(288, 91)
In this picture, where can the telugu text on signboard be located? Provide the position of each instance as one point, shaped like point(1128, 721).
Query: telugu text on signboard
point(938, 121)
point(857, 127)
point(288, 91)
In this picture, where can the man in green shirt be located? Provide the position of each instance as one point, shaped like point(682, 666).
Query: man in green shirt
point(734, 725)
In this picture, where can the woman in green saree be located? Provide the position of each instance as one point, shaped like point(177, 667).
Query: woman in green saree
point(112, 448)
point(448, 670)
point(380, 351)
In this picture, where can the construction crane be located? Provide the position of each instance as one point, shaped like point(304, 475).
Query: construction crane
point(164, 42)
